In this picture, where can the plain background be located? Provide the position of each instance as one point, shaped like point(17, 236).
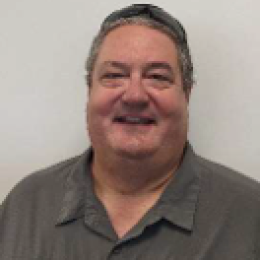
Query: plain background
point(43, 46)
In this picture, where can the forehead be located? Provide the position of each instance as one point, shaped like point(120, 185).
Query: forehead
point(137, 44)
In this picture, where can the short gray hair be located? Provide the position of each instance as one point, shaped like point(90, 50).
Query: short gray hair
point(184, 57)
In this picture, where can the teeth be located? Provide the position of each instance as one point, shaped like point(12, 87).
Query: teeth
point(134, 120)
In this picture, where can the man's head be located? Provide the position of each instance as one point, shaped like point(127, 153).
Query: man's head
point(150, 16)
point(138, 95)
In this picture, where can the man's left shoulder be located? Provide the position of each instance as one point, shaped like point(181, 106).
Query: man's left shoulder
point(230, 181)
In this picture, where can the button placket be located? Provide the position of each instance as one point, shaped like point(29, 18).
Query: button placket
point(117, 253)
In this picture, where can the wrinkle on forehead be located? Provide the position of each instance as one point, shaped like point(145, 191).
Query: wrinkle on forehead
point(136, 42)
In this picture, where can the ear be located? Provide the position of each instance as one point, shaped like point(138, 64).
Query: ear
point(188, 93)
point(88, 82)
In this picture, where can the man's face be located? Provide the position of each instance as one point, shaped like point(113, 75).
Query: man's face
point(137, 106)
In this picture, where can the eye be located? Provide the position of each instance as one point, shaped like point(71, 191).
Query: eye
point(159, 77)
point(113, 79)
point(113, 75)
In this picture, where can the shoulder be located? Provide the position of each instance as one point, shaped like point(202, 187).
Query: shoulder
point(46, 179)
point(37, 192)
point(228, 207)
point(228, 182)
point(31, 209)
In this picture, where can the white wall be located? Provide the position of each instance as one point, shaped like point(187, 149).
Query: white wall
point(43, 45)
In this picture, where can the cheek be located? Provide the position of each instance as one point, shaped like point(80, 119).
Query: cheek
point(171, 105)
point(100, 103)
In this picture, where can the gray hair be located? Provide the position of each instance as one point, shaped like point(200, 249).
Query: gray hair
point(184, 56)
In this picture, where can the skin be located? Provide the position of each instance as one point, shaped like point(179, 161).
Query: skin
point(136, 75)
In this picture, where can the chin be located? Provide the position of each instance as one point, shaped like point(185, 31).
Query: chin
point(136, 152)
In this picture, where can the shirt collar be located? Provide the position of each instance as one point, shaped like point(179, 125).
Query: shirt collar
point(77, 184)
point(177, 204)
point(179, 201)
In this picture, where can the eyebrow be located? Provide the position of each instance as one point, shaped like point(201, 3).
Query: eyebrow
point(159, 65)
point(116, 64)
point(147, 67)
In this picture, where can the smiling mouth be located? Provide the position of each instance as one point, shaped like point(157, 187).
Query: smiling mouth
point(134, 120)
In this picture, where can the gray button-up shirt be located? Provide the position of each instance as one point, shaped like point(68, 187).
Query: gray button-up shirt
point(207, 212)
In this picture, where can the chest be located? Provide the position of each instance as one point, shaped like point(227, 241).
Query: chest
point(160, 241)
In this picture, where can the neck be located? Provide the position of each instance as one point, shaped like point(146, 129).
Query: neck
point(128, 188)
point(132, 176)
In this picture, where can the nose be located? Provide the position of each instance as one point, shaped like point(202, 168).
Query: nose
point(135, 94)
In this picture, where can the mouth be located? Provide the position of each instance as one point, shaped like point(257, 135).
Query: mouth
point(134, 120)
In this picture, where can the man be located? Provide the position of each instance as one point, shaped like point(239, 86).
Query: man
point(139, 192)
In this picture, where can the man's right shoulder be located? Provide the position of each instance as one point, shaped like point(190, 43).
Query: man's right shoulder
point(33, 206)
point(45, 180)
